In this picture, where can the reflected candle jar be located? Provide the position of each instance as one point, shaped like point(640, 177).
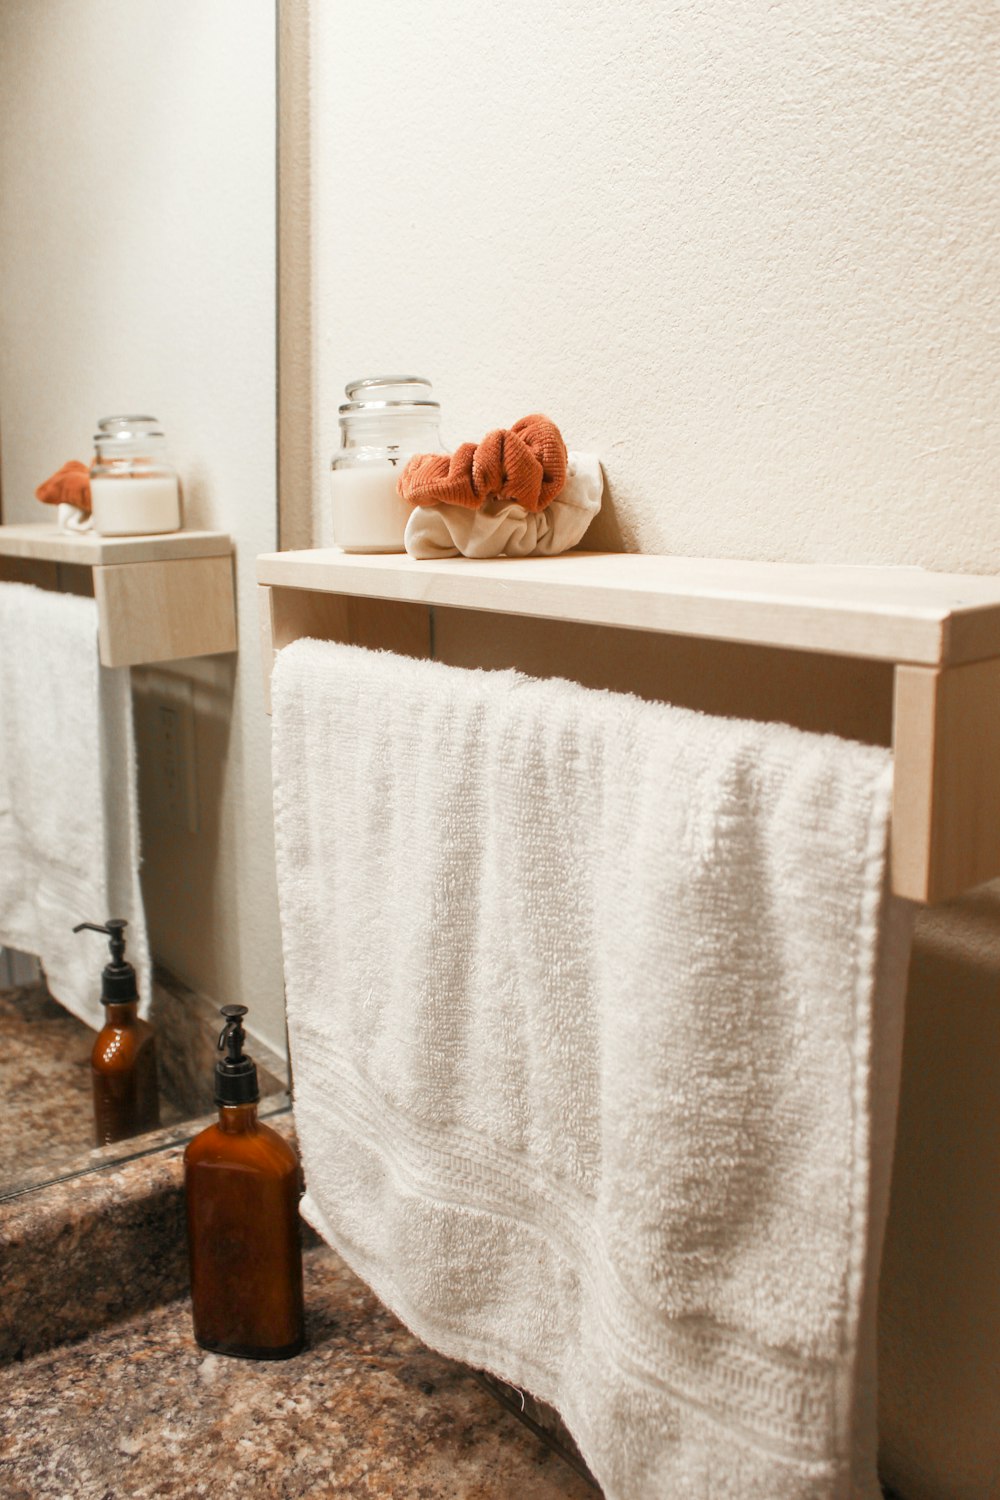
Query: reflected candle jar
point(134, 490)
point(385, 420)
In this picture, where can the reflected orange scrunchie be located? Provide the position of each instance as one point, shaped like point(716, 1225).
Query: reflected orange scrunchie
point(69, 485)
point(525, 463)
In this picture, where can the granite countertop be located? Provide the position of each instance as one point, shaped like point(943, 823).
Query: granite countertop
point(137, 1411)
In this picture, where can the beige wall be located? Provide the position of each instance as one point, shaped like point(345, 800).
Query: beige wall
point(137, 256)
point(749, 254)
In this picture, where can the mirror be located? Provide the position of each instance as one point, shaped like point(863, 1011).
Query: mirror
point(137, 261)
point(49, 1130)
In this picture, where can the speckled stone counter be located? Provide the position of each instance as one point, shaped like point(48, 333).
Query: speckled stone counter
point(44, 1084)
point(93, 1249)
point(137, 1411)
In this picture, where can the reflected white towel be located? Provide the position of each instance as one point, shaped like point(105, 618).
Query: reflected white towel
point(69, 825)
point(594, 1057)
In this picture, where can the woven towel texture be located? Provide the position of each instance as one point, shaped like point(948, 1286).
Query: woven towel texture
point(69, 817)
point(595, 1053)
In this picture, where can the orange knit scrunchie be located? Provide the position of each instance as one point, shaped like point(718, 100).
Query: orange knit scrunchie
point(525, 463)
point(69, 485)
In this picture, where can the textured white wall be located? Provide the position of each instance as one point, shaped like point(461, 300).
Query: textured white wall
point(748, 252)
point(137, 256)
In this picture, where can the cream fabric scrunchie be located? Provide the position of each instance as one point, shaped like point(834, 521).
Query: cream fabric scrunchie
point(504, 527)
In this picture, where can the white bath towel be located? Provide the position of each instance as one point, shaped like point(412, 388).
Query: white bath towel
point(69, 824)
point(594, 1049)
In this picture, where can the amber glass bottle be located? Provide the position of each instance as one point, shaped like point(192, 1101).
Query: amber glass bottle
point(123, 1059)
point(243, 1186)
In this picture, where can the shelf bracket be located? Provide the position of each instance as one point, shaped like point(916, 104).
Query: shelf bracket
point(946, 797)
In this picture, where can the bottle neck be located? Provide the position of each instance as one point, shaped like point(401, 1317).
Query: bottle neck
point(120, 1013)
point(237, 1119)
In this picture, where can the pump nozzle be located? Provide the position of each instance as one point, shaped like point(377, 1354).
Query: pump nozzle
point(113, 928)
point(232, 1036)
point(118, 978)
point(235, 1074)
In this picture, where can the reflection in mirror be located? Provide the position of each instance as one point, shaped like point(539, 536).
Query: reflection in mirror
point(51, 1125)
point(137, 260)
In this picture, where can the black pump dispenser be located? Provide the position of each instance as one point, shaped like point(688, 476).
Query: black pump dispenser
point(118, 984)
point(235, 1074)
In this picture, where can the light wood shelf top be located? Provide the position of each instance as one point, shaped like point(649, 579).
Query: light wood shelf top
point(44, 542)
point(887, 614)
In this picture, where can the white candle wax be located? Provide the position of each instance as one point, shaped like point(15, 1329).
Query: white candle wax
point(130, 506)
point(368, 515)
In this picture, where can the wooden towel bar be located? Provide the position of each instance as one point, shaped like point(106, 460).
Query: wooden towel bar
point(892, 655)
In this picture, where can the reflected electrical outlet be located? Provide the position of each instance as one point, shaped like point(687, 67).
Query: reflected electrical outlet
point(166, 747)
point(176, 772)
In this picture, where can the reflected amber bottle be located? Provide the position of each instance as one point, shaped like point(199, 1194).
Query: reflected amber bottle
point(243, 1185)
point(123, 1070)
point(123, 1058)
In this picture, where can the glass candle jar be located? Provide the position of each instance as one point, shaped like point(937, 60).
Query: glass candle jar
point(134, 491)
point(384, 421)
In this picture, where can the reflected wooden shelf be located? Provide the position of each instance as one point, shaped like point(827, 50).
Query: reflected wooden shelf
point(159, 598)
point(892, 655)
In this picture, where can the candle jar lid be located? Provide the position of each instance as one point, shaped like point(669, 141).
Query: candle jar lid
point(388, 392)
point(386, 419)
point(126, 437)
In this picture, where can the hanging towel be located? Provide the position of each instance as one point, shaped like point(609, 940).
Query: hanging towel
point(594, 1009)
point(69, 823)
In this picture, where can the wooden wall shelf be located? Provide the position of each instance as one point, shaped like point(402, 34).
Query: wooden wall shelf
point(159, 598)
point(892, 655)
